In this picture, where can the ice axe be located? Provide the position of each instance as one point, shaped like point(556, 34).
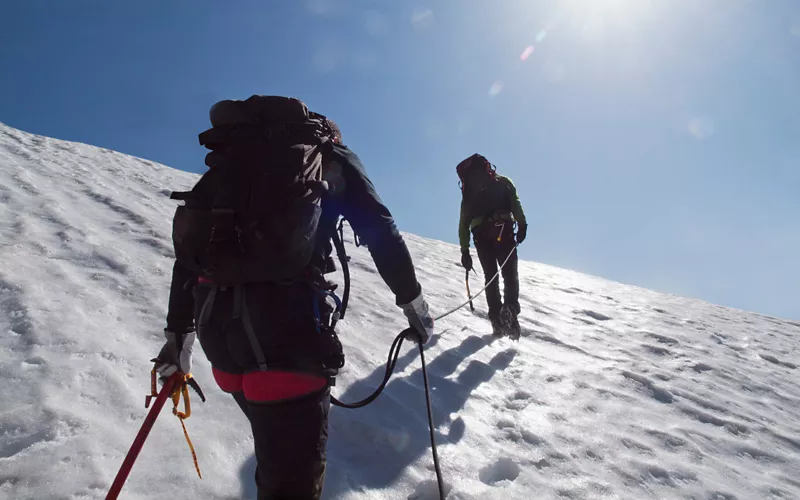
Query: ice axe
point(136, 447)
point(174, 387)
point(469, 295)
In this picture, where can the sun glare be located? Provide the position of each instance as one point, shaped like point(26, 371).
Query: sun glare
point(604, 7)
point(606, 13)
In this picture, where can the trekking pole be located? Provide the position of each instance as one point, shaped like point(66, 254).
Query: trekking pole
point(469, 295)
point(138, 442)
point(439, 479)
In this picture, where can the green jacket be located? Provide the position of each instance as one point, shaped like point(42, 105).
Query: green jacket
point(507, 201)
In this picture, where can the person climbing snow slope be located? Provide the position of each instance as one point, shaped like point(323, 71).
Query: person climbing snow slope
point(252, 246)
point(492, 212)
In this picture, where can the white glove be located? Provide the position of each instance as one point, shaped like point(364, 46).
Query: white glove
point(176, 354)
point(419, 317)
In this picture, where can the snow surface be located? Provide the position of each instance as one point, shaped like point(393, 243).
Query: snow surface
point(612, 392)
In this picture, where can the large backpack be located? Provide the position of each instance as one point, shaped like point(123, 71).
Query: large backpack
point(482, 192)
point(253, 216)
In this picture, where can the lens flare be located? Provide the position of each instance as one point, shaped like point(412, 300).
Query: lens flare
point(422, 18)
point(496, 88)
point(701, 127)
point(526, 53)
point(399, 440)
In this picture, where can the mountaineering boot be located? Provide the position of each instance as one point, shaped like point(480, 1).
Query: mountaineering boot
point(509, 322)
point(497, 329)
point(514, 329)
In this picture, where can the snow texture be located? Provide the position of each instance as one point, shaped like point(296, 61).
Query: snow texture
point(613, 392)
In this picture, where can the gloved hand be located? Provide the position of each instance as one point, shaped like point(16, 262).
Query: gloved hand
point(176, 354)
point(466, 259)
point(419, 317)
point(522, 232)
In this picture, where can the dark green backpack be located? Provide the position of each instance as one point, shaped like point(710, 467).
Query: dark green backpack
point(253, 216)
point(482, 192)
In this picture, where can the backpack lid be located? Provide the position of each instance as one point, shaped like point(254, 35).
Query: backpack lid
point(476, 168)
point(261, 117)
point(474, 161)
point(258, 110)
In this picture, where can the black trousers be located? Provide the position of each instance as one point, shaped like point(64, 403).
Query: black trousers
point(494, 241)
point(290, 440)
point(290, 436)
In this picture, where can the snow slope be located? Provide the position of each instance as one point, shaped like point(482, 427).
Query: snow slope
point(612, 392)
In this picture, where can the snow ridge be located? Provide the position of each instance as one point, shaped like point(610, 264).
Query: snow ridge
point(613, 392)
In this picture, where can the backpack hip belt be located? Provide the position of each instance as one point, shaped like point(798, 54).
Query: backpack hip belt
point(499, 216)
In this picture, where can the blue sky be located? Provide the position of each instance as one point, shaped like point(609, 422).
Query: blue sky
point(654, 142)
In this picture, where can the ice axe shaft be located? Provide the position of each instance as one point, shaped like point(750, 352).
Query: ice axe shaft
point(138, 443)
point(469, 295)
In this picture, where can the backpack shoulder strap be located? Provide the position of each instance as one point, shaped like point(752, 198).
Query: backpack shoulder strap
point(181, 195)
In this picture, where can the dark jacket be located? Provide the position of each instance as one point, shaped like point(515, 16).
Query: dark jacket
point(353, 196)
point(496, 197)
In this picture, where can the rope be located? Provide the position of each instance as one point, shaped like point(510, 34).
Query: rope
point(394, 351)
point(183, 390)
point(451, 311)
point(394, 354)
point(191, 448)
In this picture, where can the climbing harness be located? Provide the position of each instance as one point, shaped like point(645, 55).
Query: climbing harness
point(174, 387)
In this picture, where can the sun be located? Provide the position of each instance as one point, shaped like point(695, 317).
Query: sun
point(608, 13)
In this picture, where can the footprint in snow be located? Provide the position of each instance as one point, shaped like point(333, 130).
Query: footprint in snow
point(658, 393)
point(512, 432)
point(701, 367)
point(668, 441)
point(636, 446)
point(594, 315)
point(735, 428)
point(657, 350)
point(429, 490)
point(718, 495)
point(662, 339)
point(519, 401)
point(553, 340)
point(504, 469)
point(593, 455)
point(772, 359)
